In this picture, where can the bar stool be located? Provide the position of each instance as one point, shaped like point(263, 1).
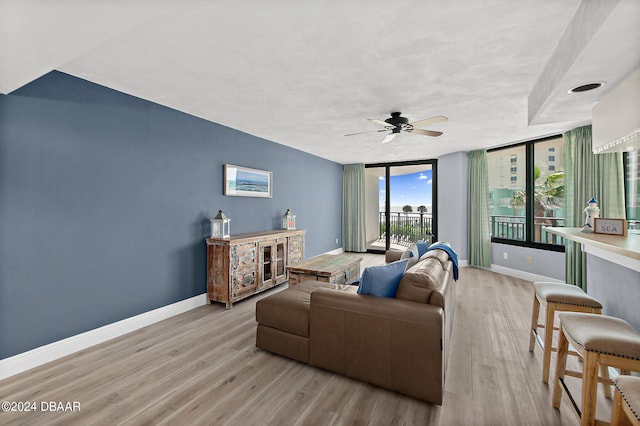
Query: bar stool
point(601, 341)
point(556, 297)
point(626, 403)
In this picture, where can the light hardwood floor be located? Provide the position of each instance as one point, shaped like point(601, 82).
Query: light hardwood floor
point(202, 367)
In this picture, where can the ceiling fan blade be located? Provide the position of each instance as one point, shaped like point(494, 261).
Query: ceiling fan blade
point(389, 137)
point(380, 122)
point(436, 119)
point(370, 131)
point(426, 132)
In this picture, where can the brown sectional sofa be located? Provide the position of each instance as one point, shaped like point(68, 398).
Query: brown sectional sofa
point(399, 344)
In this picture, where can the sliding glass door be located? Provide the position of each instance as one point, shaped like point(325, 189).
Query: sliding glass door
point(401, 204)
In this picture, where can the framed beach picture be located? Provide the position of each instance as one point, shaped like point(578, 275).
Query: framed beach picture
point(246, 182)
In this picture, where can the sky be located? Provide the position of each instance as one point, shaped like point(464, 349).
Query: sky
point(412, 189)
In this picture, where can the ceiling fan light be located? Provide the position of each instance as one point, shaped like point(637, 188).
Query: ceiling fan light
point(389, 137)
point(396, 124)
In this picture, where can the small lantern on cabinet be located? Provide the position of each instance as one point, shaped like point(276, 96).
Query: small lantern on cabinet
point(220, 227)
point(289, 220)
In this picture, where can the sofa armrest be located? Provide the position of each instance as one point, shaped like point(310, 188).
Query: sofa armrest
point(396, 344)
point(392, 255)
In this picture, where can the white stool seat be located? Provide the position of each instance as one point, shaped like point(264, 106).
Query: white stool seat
point(566, 294)
point(627, 401)
point(602, 341)
point(554, 297)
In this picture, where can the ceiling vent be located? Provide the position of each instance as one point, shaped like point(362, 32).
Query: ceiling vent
point(586, 87)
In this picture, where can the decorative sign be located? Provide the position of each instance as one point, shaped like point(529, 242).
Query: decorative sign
point(604, 225)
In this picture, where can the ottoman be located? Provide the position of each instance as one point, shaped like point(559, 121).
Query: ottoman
point(283, 320)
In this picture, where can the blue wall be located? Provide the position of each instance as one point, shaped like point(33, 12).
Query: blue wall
point(105, 200)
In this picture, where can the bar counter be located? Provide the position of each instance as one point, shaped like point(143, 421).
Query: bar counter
point(613, 270)
point(628, 246)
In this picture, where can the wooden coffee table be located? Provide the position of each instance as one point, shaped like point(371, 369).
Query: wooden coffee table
point(330, 268)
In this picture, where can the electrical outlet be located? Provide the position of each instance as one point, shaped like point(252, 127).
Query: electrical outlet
point(337, 241)
point(529, 260)
point(505, 255)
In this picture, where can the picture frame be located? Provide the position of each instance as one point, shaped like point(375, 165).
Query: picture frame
point(603, 225)
point(247, 182)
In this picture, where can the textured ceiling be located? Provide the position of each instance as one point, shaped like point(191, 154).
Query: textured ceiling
point(303, 74)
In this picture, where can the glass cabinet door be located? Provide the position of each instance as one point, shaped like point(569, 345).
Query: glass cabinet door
point(267, 265)
point(281, 261)
point(273, 256)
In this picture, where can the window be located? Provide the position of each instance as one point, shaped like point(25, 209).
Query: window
point(401, 204)
point(520, 221)
point(507, 217)
point(632, 187)
point(548, 189)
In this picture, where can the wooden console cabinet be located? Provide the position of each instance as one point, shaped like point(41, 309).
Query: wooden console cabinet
point(246, 264)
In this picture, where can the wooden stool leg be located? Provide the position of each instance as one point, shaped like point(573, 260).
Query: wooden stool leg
point(548, 341)
point(534, 322)
point(561, 366)
point(616, 410)
point(589, 389)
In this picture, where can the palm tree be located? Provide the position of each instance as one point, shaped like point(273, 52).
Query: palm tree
point(407, 209)
point(548, 195)
point(422, 209)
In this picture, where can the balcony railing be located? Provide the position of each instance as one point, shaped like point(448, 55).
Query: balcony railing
point(406, 228)
point(513, 228)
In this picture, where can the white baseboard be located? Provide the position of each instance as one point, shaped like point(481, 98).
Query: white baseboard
point(336, 251)
point(527, 276)
point(47, 353)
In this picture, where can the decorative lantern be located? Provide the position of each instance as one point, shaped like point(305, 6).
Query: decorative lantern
point(289, 220)
point(220, 226)
point(592, 212)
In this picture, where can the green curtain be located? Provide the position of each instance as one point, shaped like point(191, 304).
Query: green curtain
point(479, 237)
point(353, 208)
point(588, 175)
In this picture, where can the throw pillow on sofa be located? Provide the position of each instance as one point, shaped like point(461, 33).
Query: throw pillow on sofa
point(416, 249)
point(411, 251)
point(382, 281)
point(422, 247)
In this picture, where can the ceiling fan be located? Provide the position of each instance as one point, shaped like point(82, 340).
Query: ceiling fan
point(396, 124)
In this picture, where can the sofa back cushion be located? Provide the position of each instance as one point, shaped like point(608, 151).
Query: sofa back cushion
point(441, 255)
point(422, 279)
